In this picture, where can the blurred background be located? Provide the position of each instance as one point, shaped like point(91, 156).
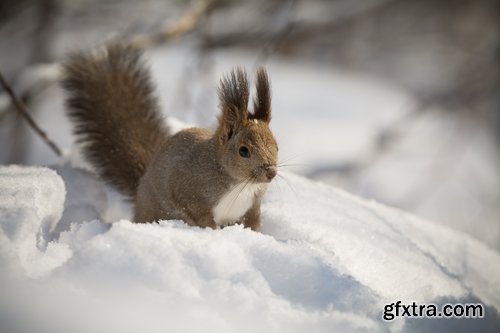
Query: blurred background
point(392, 100)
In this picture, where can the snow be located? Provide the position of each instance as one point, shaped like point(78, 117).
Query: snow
point(31, 204)
point(325, 261)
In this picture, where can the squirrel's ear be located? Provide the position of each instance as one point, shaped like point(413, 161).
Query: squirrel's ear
point(262, 102)
point(233, 96)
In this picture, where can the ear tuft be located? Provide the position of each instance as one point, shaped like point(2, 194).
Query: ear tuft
point(233, 96)
point(262, 102)
point(233, 91)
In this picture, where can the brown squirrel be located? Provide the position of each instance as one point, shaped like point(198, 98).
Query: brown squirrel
point(206, 178)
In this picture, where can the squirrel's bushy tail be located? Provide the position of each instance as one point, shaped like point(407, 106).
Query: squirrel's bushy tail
point(111, 103)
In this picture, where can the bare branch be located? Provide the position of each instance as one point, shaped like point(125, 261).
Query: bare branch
point(279, 38)
point(21, 108)
point(182, 26)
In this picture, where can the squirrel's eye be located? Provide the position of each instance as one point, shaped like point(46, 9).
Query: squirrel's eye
point(244, 152)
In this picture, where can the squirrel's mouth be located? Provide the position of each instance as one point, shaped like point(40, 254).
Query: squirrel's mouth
point(265, 173)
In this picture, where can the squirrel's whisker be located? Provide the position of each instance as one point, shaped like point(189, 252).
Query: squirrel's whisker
point(288, 183)
point(293, 165)
point(235, 197)
point(291, 158)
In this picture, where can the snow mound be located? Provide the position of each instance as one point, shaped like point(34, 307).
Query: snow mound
point(326, 261)
point(31, 205)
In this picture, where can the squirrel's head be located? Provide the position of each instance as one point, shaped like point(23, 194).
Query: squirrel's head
point(247, 148)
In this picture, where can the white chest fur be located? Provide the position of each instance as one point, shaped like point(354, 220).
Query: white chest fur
point(235, 203)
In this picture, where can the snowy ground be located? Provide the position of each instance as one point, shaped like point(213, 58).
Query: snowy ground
point(325, 261)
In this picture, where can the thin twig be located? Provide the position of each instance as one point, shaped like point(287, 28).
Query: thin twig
point(182, 26)
point(23, 111)
point(279, 37)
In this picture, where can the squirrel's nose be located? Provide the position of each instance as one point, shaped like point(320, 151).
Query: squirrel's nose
point(271, 172)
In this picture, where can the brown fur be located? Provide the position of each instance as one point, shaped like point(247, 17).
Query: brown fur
point(111, 102)
point(185, 176)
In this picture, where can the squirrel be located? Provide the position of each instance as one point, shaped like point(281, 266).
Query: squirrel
point(205, 178)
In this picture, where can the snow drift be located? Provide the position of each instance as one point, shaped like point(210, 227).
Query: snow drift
point(325, 261)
